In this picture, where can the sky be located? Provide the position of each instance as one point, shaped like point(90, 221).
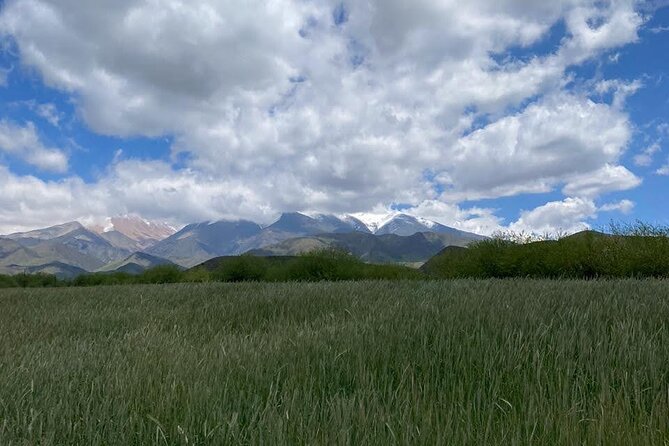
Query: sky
point(483, 115)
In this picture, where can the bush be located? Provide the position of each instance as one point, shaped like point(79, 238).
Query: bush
point(196, 275)
point(246, 268)
point(97, 279)
point(390, 272)
point(161, 274)
point(635, 251)
point(330, 264)
point(7, 282)
point(36, 280)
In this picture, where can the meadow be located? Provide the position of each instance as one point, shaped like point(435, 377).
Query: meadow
point(368, 362)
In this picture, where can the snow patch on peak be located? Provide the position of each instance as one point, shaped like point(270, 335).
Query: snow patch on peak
point(375, 221)
point(134, 227)
point(424, 221)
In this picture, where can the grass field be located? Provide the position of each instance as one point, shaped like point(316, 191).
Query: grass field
point(460, 362)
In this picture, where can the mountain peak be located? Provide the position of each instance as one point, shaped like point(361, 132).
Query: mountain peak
point(48, 233)
point(136, 228)
point(294, 222)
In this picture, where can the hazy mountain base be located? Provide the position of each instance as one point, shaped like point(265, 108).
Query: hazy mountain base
point(388, 248)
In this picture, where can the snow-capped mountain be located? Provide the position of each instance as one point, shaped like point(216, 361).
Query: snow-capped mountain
point(373, 221)
point(406, 225)
point(96, 246)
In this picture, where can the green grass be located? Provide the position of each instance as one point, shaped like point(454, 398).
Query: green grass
point(404, 362)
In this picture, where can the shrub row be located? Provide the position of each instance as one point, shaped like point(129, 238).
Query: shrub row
point(581, 256)
point(329, 265)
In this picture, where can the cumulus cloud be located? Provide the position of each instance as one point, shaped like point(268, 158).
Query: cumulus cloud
point(151, 189)
point(607, 179)
point(285, 105)
point(569, 215)
point(23, 142)
point(560, 136)
point(28, 202)
point(623, 206)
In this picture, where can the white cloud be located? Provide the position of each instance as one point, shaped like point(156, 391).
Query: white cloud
point(645, 158)
point(664, 170)
point(24, 143)
point(621, 90)
point(607, 179)
point(623, 206)
point(279, 109)
point(28, 202)
point(554, 140)
point(569, 215)
point(659, 29)
point(150, 189)
point(477, 220)
point(49, 112)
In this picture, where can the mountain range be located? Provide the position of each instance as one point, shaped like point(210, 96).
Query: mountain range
point(384, 248)
point(132, 244)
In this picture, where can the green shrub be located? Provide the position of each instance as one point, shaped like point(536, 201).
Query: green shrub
point(329, 264)
point(196, 275)
point(36, 280)
point(246, 268)
point(7, 282)
point(97, 279)
point(633, 251)
point(390, 272)
point(161, 274)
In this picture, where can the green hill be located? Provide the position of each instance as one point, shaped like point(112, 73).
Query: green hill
point(587, 254)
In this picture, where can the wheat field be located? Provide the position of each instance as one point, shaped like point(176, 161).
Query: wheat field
point(438, 362)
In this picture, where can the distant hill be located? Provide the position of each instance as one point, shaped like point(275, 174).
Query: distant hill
point(94, 248)
point(38, 235)
point(199, 242)
point(136, 263)
point(69, 244)
point(386, 248)
point(58, 269)
point(218, 262)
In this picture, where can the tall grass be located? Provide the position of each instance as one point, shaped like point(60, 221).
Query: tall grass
point(459, 362)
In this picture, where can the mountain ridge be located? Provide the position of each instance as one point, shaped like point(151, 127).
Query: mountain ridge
point(82, 247)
